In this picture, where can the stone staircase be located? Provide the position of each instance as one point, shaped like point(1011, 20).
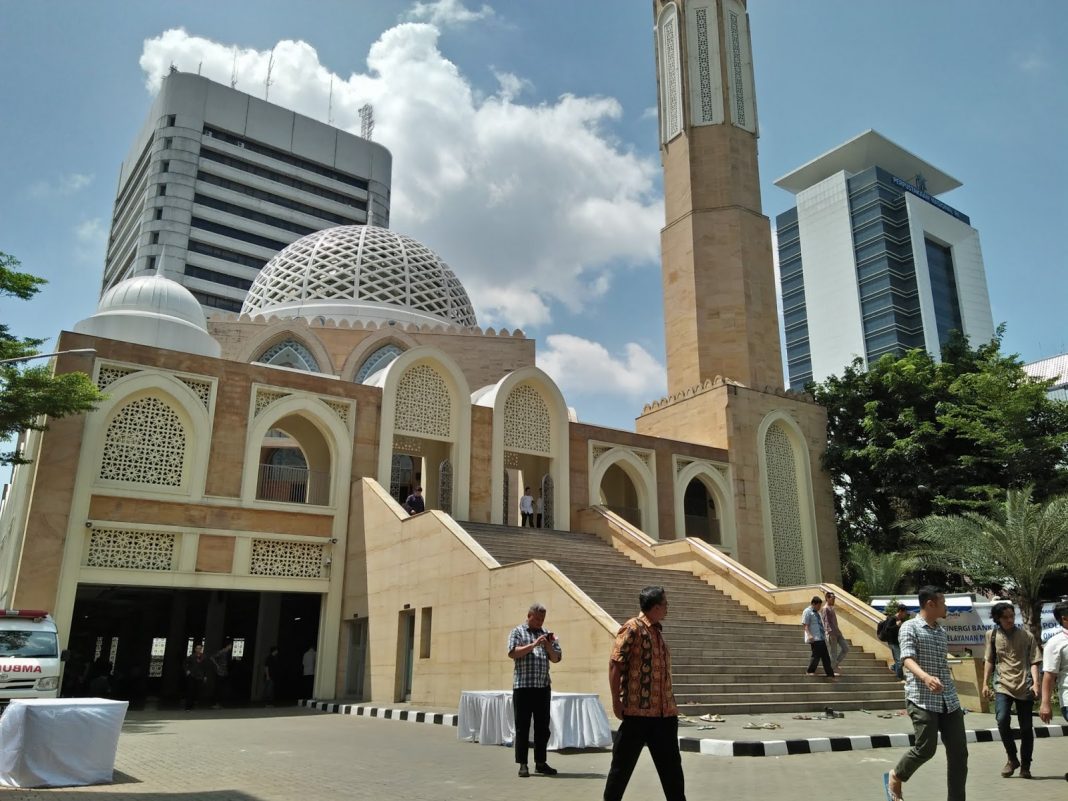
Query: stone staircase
point(725, 658)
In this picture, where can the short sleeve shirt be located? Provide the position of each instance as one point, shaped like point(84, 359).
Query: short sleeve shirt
point(811, 618)
point(1055, 660)
point(1012, 655)
point(531, 670)
point(643, 655)
point(830, 621)
point(928, 645)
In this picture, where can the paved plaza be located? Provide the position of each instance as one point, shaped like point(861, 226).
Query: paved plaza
point(271, 755)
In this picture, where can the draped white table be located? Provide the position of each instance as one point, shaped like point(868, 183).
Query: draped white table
point(576, 720)
point(59, 742)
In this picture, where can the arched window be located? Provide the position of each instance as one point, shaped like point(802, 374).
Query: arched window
point(145, 443)
point(290, 353)
point(376, 361)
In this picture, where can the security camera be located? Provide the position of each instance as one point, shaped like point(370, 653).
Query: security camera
point(88, 523)
point(334, 540)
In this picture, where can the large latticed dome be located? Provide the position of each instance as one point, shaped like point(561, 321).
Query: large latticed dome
point(360, 272)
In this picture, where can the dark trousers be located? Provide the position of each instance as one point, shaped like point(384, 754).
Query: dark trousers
point(1003, 713)
point(528, 519)
point(820, 654)
point(527, 703)
point(661, 735)
point(537, 519)
point(193, 688)
point(927, 726)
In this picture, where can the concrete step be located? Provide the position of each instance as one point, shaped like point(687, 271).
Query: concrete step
point(739, 705)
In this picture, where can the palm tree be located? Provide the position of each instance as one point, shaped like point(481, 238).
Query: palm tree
point(1016, 547)
point(878, 573)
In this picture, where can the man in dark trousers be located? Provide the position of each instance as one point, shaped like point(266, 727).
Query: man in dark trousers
point(415, 503)
point(1012, 657)
point(196, 675)
point(532, 648)
point(639, 676)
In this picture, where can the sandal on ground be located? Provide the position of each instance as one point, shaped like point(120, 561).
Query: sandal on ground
point(803, 717)
point(713, 718)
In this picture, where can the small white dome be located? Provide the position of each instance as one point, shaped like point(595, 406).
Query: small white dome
point(360, 272)
point(155, 311)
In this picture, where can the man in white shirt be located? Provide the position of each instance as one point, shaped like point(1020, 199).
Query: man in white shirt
point(526, 508)
point(308, 665)
point(1055, 666)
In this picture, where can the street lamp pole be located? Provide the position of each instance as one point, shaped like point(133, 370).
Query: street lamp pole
point(17, 359)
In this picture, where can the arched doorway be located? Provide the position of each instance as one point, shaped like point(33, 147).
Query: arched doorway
point(619, 494)
point(701, 517)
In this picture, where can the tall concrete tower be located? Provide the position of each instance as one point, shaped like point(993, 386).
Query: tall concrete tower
point(721, 324)
point(719, 279)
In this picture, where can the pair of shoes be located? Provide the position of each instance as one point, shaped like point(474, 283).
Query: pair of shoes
point(713, 718)
point(754, 725)
point(1009, 769)
point(524, 772)
point(544, 769)
point(1025, 773)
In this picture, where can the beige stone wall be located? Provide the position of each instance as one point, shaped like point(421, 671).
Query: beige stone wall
point(484, 357)
point(427, 561)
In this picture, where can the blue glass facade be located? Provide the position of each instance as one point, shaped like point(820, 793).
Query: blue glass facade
point(885, 274)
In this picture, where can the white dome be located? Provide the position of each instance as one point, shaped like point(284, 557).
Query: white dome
point(155, 311)
point(360, 272)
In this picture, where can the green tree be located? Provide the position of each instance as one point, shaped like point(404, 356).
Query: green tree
point(1013, 550)
point(912, 436)
point(877, 573)
point(28, 393)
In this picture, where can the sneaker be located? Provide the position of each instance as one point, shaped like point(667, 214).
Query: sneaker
point(544, 769)
point(1025, 773)
point(524, 772)
point(1010, 768)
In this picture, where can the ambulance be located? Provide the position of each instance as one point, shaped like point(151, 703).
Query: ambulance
point(30, 663)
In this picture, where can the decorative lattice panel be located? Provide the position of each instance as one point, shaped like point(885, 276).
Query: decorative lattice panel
point(645, 456)
point(599, 451)
point(445, 487)
point(408, 445)
point(401, 476)
point(704, 67)
point(511, 459)
point(548, 496)
point(424, 405)
point(133, 550)
point(526, 420)
point(265, 397)
point(361, 262)
point(340, 409)
point(282, 558)
point(109, 375)
point(290, 353)
point(682, 464)
point(145, 444)
point(202, 389)
point(784, 501)
point(671, 74)
point(507, 487)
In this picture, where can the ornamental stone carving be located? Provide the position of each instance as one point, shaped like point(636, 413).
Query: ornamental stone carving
point(424, 405)
point(131, 550)
point(784, 502)
point(109, 375)
point(527, 421)
point(145, 444)
point(286, 559)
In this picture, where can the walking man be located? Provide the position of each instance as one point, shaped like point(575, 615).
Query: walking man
point(532, 648)
point(196, 676)
point(639, 677)
point(526, 508)
point(1055, 667)
point(812, 623)
point(931, 699)
point(837, 646)
point(1014, 655)
point(414, 503)
point(888, 633)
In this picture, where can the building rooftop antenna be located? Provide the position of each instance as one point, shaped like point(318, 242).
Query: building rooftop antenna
point(367, 121)
point(267, 81)
point(330, 104)
point(233, 72)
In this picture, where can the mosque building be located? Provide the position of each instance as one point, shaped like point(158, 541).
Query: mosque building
point(242, 480)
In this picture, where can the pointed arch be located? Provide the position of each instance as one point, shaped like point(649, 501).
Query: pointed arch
point(453, 428)
point(719, 489)
point(641, 475)
point(295, 329)
point(391, 335)
point(555, 442)
point(791, 546)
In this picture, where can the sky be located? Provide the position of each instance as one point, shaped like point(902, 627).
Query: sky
point(524, 142)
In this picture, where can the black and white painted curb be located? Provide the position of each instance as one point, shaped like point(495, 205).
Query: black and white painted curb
point(816, 745)
point(708, 746)
point(409, 715)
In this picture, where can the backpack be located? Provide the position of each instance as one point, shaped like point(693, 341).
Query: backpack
point(883, 628)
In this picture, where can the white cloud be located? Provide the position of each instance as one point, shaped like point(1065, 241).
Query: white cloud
point(1032, 62)
point(89, 236)
point(531, 204)
point(582, 366)
point(61, 186)
point(446, 12)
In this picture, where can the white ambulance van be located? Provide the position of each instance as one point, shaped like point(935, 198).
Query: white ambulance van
point(30, 661)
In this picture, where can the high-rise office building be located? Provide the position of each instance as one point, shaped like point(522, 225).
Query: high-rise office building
point(872, 262)
point(217, 182)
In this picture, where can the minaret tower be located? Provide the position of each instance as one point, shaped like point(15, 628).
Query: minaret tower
point(724, 360)
point(719, 279)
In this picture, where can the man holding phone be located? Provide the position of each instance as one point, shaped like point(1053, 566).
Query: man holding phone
point(532, 647)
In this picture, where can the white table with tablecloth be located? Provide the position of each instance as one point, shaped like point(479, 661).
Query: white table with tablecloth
point(576, 720)
point(59, 742)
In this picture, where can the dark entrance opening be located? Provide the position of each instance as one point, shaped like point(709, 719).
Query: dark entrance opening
point(131, 642)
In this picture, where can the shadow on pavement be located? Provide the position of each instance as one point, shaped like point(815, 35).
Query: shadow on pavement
point(141, 716)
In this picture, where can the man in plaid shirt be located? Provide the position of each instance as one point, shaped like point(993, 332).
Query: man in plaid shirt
point(931, 699)
point(532, 648)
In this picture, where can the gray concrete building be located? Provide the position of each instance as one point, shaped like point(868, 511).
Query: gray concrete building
point(217, 182)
